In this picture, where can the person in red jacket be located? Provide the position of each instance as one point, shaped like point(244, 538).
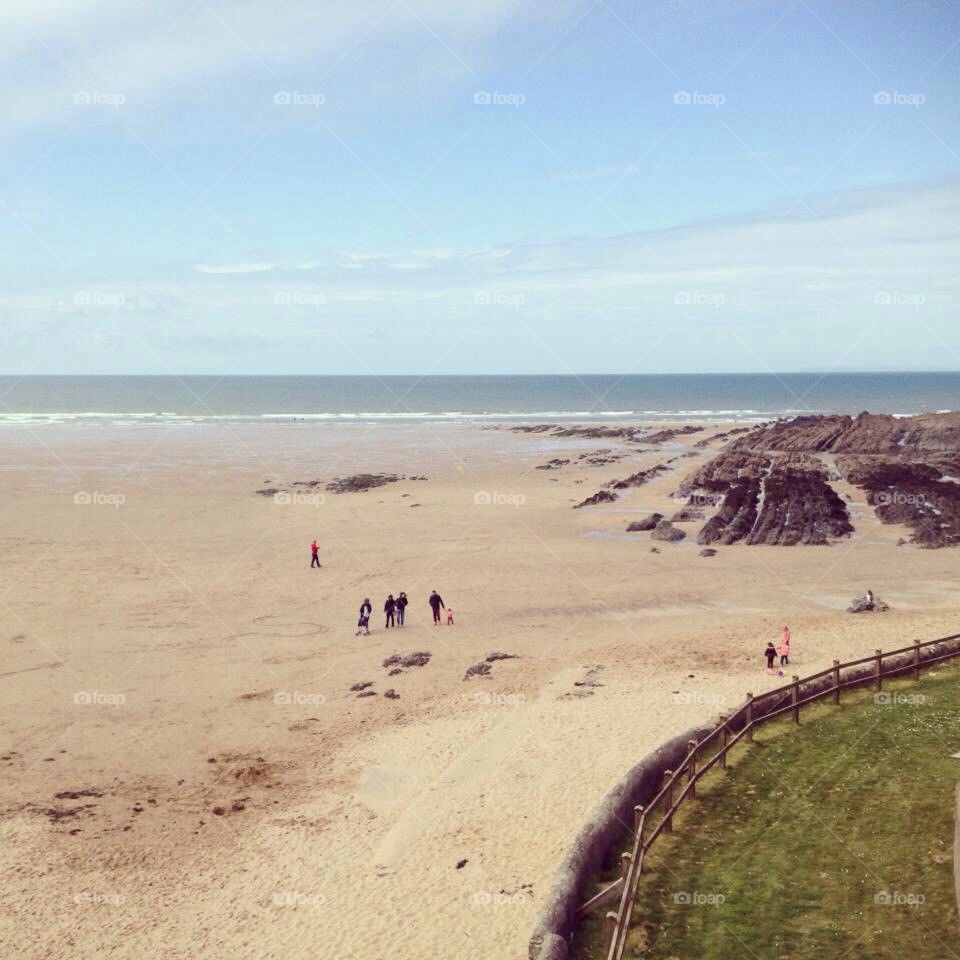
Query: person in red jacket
point(315, 554)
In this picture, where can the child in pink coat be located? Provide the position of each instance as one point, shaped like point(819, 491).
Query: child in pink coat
point(784, 648)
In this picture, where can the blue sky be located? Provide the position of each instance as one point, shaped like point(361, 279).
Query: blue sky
point(401, 186)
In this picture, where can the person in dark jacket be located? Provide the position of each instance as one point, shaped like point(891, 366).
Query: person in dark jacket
point(363, 623)
point(401, 606)
point(389, 608)
point(436, 605)
point(770, 653)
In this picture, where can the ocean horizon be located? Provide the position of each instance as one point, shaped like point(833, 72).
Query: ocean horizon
point(131, 400)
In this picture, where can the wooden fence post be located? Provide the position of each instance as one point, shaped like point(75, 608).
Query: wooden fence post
point(916, 659)
point(795, 698)
point(878, 669)
point(748, 718)
point(723, 743)
point(610, 922)
point(625, 859)
point(668, 800)
point(637, 818)
point(692, 767)
point(836, 681)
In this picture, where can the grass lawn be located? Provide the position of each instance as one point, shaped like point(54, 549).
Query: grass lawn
point(829, 840)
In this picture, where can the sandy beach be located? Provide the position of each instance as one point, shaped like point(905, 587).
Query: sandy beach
point(187, 772)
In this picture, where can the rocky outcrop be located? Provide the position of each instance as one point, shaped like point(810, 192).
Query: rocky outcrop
point(665, 530)
point(868, 603)
point(868, 433)
point(639, 478)
point(917, 495)
point(601, 496)
point(647, 523)
point(774, 500)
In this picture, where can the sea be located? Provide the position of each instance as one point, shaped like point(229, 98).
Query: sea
point(139, 400)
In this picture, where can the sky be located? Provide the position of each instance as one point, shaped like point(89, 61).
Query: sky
point(505, 186)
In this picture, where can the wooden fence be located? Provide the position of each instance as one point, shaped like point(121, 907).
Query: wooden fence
point(656, 818)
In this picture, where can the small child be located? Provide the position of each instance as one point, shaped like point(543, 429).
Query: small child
point(784, 649)
point(449, 615)
point(363, 625)
point(770, 653)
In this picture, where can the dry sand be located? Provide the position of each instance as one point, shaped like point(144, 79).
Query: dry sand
point(175, 653)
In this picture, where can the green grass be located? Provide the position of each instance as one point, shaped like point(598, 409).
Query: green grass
point(796, 845)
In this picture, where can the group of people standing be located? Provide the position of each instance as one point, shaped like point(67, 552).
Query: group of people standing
point(783, 650)
point(394, 610)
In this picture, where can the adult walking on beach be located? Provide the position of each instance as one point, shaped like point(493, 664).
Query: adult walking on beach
point(784, 649)
point(363, 623)
point(315, 554)
point(389, 608)
point(436, 605)
point(401, 606)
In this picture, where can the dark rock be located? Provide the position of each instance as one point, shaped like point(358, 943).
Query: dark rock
point(392, 694)
point(362, 686)
point(665, 530)
point(867, 604)
point(493, 657)
point(708, 552)
point(419, 659)
point(601, 496)
point(477, 670)
point(367, 693)
point(687, 515)
point(639, 478)
point(361, 482)
point(647, 523)
point(554, 464)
